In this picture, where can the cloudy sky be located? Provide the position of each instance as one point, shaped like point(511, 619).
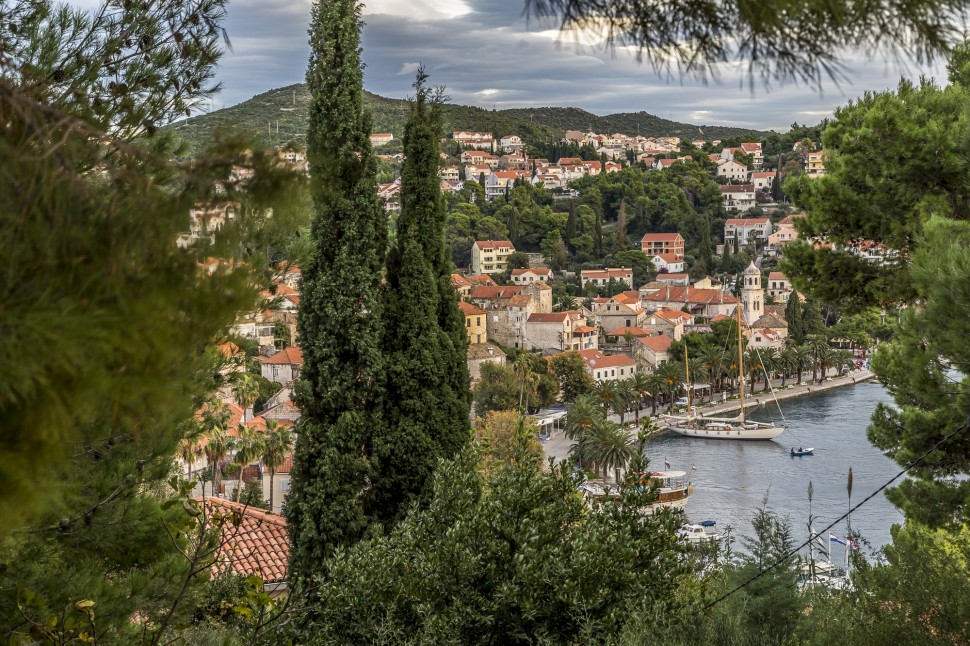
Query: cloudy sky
point(486, 54)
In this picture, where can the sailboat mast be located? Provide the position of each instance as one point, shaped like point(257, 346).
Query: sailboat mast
point(687, 377)
point(740, 363)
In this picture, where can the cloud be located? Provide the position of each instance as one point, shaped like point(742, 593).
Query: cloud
point(475, 47)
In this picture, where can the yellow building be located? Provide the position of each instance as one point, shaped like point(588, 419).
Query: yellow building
point(474, 322)
point(816, 164)
point(491, 256)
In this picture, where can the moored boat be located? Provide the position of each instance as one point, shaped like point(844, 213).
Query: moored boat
point(700, 533)
point(673, 490)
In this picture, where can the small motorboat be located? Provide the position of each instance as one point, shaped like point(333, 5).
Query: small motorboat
point(700, 533)
point(802, 451)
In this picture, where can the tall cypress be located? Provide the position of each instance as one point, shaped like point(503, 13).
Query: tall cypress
point(340, 322)
point(428, 397)
point(793, 314)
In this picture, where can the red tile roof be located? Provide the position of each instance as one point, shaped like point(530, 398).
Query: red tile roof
point(495, 291)
point(460, 281)
point(657, 342)
point(746, 222)
point(493, 244)
point(662, 237)
point(584, 329)
point(606, 273)
point(738, 188)
point(469, 310)
point(679, 294)
point(596, 359)
point(538, 271)
point(777, 275)
point(633, 330)
point(548, 317)
point(291, 355)
point(254, 541)
point(667, 257)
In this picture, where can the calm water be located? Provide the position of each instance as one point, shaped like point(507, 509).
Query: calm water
point(732, 478)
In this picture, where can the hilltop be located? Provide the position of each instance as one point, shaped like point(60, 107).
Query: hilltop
point(280, 116)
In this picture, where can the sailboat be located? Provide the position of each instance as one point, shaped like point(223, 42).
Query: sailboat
point(721, 428)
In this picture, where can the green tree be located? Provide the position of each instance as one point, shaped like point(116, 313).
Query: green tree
point(340, 391)
point(519, 528)
point(497, 390)
point(643, 269)
point(570, 370)
point(793, 315)
point(427, 391)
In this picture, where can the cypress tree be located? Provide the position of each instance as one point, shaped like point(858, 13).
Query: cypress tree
point(340, 387)
point(572, 226)
point(428, 396)
point(793, 314)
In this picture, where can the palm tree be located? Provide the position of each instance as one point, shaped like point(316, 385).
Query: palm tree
point(639, 388)
point(787, 360)
point(816, 343)
point(753, 364)
point(673, 379)
point(606, 393)
point(655, 385)
point(566, 303)
point(803, 359)
point(249, 447)
point(712, 360)
point(277, 443)
point(613, 448)
point(769, 361)
point(826, 360)
point(190, 450)
point(844, 361)
point(218, 445)
point(245, 388)
point(581, 416)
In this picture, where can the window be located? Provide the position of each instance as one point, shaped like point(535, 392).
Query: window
point(613, 372)
point(284, 484)
point(468, 322)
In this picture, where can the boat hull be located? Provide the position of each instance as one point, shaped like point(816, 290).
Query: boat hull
point(761, 433)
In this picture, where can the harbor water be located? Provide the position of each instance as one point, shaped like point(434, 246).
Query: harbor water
point(732, 478)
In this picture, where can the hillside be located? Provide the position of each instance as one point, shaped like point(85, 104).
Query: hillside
point(280, 116)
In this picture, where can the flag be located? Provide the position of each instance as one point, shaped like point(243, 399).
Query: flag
point(835, 539)
point(666, 463)
point(852, 544)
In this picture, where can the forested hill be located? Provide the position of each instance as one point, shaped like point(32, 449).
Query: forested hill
point(280, 116)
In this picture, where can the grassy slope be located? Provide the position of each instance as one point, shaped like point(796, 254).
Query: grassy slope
point(279, 116)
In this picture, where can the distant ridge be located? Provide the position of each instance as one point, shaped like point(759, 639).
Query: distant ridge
point(279, 116)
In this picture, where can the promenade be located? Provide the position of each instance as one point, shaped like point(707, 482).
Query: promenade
point(558, 446)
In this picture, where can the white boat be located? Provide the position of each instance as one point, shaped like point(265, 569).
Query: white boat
point(721, 428)
point(674, 490)
point(698, 534)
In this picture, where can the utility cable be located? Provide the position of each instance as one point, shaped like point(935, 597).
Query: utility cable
point(795, 551)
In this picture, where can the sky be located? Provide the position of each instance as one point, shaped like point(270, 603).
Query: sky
point(487, 54)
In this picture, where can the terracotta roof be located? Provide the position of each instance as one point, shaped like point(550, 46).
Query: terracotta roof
point(673, 315)
point(258, 423)
point(769, 321)
point(484, 351)
point(292, 355)
point(667, 257)
point(606, 273)
point(505, 174)
point(635, 331)
point(746, 222)
point(495, 291)
point(719, 317)
point(679, 294)
point(256, 543)
point(538, 271)
point(596, 359)
point(469, 310)
point(481, 279)
point(790, 219)
point(627, 298)
point(520, 300)
point(750, 147)
point(460, 281)
point(492, 244)
point(657, 342)
point(661, 237)
point(663, 277)
point(584, 329)
point(763, 174)
point(738, 188)
point(776, 275)
point(228, 349)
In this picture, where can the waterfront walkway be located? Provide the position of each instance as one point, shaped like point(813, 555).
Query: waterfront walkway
point(557, 447)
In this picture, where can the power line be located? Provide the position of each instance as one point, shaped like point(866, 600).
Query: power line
point(811, 538)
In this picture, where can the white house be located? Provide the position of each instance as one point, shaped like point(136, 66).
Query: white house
point(602, 277)
point(779, 287)
point(747, 229)
point(605, 368)
point(731, 170)
point(738, 197)
point(499, 182)
point(531, 275)
point(283, 367)
point(668, 263)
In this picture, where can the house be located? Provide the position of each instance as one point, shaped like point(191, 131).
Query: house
point(474, 322)
point(256, 543)
point(499, 183)
point(621, 311)
point(731, 170)
point(764, 338)
point(449, 173)
point(478, 140)
point(785, 234)
point(779, 287)
point(605, 368)
point(205, 219)
point(654, 243)
point(283, 367)
point(391, 194)
point(511, 143)
point(667, 321)
point(651, 351)
point(602, 277)
point(681, 280)
point(815, 166)
point(753, 150)
point(462, 285)
point(559, 331)
point(532, 274)
point(491, 256)
point(701, 303)
point(667, 263)
point(381, 138)
point(762, 180)
point(746, 230)
point(738, 197)
point(482, 353)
